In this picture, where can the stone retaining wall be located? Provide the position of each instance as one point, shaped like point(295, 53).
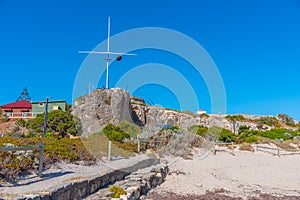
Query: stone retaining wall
point(136, 185)
point(139, 183)
point(78, 190)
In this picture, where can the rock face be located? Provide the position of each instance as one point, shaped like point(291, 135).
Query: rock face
point(101, 107)
point(156, 116)
point(104, 106)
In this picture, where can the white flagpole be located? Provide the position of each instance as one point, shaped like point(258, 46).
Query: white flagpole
point(107, 58)
point(107, 53)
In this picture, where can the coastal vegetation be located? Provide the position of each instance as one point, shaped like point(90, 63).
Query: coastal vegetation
point(245, 134)
point(116, 191)
point(13, 164)
point(63, 142)
point(60, 124)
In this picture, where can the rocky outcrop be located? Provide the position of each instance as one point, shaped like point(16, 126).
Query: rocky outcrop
point(104, 106)
point(157, 116)
point(101, 107)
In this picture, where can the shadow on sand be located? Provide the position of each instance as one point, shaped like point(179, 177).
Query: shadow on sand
point(45, 177)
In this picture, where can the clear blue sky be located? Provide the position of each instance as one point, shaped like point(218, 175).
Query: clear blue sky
point(255, 45)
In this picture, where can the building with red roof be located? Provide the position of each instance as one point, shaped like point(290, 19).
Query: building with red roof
point(19, 109)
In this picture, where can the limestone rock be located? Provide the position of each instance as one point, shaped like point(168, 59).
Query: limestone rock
point(101, 107)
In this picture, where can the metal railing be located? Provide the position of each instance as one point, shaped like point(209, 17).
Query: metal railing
point(18, 115)
point(25, 148)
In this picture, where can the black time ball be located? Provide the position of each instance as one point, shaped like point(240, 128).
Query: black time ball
point(119, 58)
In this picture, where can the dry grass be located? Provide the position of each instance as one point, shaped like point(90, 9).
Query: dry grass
point(263, 140)
point(246, 147)
point(97, 145)
point(285, 145)
point(182, 145)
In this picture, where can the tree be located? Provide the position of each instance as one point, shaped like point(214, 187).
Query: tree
point(59, 122)
point(24, 95)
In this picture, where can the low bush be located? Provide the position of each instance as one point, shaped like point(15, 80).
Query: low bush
point(115, 133)
point(221, 134)
point(236, 118)
point(275, 134)
point(246, 147)
point(243, 128)
point(199, 130)
point(130, 128)
point(227, 136)
point(270, 121)
point(116, 191)
point(68, 150)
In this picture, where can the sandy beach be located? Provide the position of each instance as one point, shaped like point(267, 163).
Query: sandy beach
point(244, 175)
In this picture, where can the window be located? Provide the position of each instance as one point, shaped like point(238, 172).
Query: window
point(24, 114)
point(55, 107)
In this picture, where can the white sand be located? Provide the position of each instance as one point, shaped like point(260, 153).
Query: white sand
point(244, 174)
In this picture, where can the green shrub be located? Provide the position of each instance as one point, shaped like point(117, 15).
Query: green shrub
point(68, 150)
point(21, 122)
point(116, 191)
point(251, 136)
point(221, 134)
point(227, 136)
point(247, 133)
point(270, 121)
point(4, 118)
point(243, 128)
point(275, 134)
point(235, 117)
point(251, 139)
point(60, 122)
point(115, 133)
point(130, 128)
point(199, 130)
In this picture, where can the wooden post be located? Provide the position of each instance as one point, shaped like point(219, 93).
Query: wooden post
point(278, 153)
point(256, 147)
point(232, 148)
point(41, 157)
point(214, 149)
point(109, 150)
point(139, 144)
